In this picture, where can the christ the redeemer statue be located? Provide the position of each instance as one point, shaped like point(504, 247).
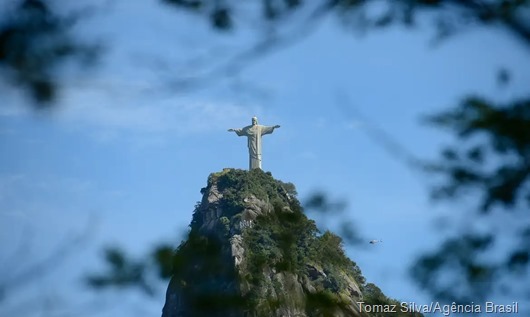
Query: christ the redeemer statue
point(253, 133)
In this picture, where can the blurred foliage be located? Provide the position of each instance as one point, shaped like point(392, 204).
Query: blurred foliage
point(449, 16)
point(495, 161)
point(490, 161)
point(465, 278)
point(125, 272)
point(320, 206)
point(199, 267)
point(320, 202)
point(122, 272)
point(35, 40)
point(34, 43)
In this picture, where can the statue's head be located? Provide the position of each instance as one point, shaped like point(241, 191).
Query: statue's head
point(254, 120)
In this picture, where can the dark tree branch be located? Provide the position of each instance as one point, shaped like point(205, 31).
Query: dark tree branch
point(503, 12)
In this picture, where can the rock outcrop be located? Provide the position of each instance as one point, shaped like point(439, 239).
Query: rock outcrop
point(252, 252)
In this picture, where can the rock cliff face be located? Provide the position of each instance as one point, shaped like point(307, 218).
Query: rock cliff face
point(252, 252)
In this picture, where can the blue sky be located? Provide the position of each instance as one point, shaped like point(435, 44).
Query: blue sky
point(125, 155)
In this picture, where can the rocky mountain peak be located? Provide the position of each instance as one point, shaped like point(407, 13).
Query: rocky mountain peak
point(251, 251)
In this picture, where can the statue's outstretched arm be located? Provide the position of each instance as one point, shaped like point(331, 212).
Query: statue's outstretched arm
point(268, 129)
point(239, 132)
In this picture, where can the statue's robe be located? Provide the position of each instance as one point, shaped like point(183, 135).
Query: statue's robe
point(254, 134)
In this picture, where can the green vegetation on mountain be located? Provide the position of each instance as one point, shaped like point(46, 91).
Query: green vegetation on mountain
point(286, 261)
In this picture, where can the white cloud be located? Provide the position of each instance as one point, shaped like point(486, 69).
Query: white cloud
point(14, 183)
point(141, 114)
point(107, 114)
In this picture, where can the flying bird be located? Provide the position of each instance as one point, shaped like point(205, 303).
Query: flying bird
point(375, 241)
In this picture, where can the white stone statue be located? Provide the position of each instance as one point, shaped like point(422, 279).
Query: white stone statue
point(253, 133)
